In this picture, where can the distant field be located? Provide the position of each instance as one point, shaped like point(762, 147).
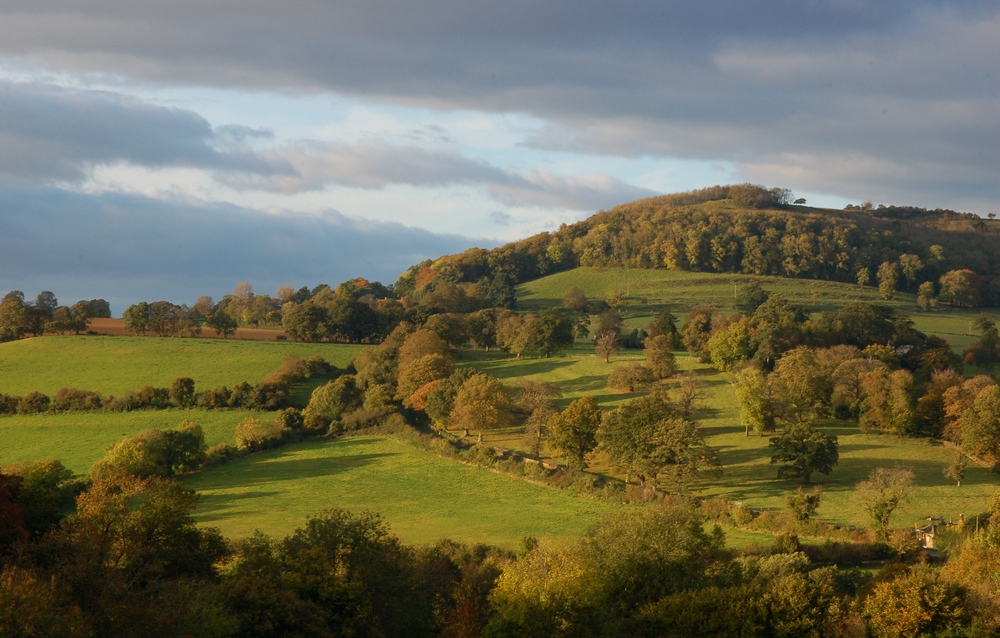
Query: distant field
point(423, 497)
point(116, 327)
point(647, 292)
point(113, 365)
point(80, 439)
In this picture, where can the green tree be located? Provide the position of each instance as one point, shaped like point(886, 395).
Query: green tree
point(254, 434)
point(800, 386)
point(660, 356)
point(695, 333)
point(728, 347)
point(182, 392)
point(12, 318)
point(749, 297)
point(802, 451)
point(223, 323)
point(666, 325)
point(881, 493)
point(573, 431)
point(548, 332)
point(917, 603)
point(754, 394)
point(332, 400)
point(137, 318)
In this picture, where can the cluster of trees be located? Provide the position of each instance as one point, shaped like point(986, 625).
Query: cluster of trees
point(19, 317)
point(129, 560)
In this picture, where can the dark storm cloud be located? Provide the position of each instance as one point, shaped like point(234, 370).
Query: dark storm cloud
point(127, 248)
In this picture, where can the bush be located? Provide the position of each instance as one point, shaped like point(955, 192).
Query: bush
point(221, 453)
point(155, 398)
point(290, 418)
point(253, 434)
point(742, 515)
point(75, 400)
point(33, 403)
point(631, 377)
point(8, 403)
point(213, 399)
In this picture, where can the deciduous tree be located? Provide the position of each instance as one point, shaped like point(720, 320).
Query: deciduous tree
point(881, 493)
point(802, 451)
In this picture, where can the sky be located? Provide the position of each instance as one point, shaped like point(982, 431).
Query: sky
point(165, 150)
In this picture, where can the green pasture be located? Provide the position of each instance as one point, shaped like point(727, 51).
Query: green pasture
point(78, 439)
point(748, 475)
point(114, 365)
point(423, 497)
point(647, 292)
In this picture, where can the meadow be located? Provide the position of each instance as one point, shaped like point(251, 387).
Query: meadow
point(423, 497)
point(78, 439)
point(647, 292)
point(114, 365)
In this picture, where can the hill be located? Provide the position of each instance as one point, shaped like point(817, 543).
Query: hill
point(746, 230)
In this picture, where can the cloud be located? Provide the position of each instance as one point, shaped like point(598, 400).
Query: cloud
point(56, 134)
point(374, 165)
point(501, 218)
point(902, 86)
point(127, 248)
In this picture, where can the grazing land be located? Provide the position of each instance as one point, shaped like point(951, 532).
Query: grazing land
point(423, 497)
point(647, 292)
point(114, 365)
point(78, 439)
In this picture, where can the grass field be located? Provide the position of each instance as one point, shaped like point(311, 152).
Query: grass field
point(748, 475)
point(113, 365)
point(79, 439)
point(423, 497)
point(647, 292)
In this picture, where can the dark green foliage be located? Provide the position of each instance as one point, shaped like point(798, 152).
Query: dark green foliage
point(182, 392)
point(802, 451)
point(749, 297)
point(441, 400)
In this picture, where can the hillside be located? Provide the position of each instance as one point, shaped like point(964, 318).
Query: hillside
point(746, 230)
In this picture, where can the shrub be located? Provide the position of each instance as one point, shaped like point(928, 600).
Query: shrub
point(290, 418)
point(8, 403)
point(631, 377)
point(155, 398)
point(33, 403)
point(253, 434)
point(742, 515)
point(221, 453)
point(217, 398)
point(74, 400)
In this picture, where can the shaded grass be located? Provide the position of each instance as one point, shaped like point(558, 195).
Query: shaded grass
point(114, 365)
point(79, 439)
point(423, 497)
